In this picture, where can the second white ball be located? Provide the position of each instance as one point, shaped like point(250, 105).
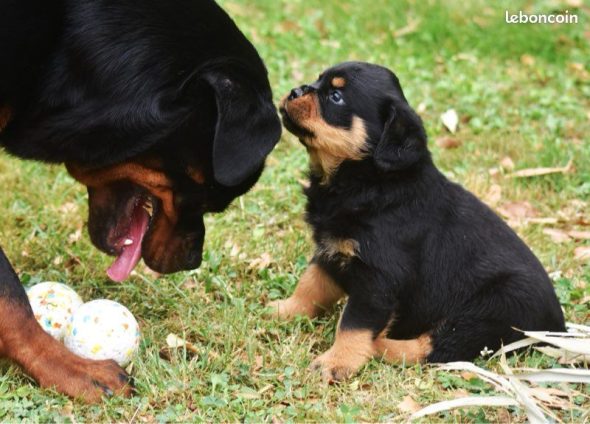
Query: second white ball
point(103, 329)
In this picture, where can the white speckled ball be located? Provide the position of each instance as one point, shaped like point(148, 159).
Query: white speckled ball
point(53, 305)
point(103, 329)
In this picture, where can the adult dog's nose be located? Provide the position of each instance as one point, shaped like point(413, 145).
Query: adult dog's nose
point(299, 91)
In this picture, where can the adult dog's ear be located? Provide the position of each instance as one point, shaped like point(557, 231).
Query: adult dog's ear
point(403, 140)
point(248, 128)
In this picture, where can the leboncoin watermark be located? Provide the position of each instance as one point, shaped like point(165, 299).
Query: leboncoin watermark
point(524, 18)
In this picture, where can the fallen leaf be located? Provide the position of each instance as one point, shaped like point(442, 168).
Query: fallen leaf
point(518, 210)
point(304, 183)
point(235, 250)
point(75, 236)
point(582, 253)
point(494, 195)
point(189, 284)
point(551, 397)
point(527, 60)
point(447, 142)
point(68, 207)
point(494, 173)
point(409, 405)
point(579, 235)
point(411, 27)
point(507, 163)
point(556, 235)
point(450, 120)
point(262, 262)
point(579, 70)
point(467, 375)
point(174, 341)
point(460, 393)
point(536, 172)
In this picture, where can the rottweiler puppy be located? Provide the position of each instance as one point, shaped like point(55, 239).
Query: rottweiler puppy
point(431, 273)
point(162, 109)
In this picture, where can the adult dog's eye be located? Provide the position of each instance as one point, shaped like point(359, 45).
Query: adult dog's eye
point(335, 97)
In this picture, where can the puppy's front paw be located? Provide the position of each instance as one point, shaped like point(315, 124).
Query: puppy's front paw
point(290, 308)
point(335, 367)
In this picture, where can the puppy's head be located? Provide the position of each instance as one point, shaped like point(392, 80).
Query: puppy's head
point(355, 111)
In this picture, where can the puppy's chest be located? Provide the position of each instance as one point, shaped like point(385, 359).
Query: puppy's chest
point(339, 251)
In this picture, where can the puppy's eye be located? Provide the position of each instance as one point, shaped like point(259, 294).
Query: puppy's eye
point(335, 97)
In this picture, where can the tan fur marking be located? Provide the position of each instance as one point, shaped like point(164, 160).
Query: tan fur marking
point(329, 146)
point(5, 115)
point(338, 82)
point(409, 351)
point(196, 175)
point(49, 362)
point(315, 293)
point(333, 247)
point(155, 181)
point(351, 350)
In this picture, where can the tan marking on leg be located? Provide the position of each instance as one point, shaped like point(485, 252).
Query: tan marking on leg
point(409, 351)
point(328, 146)
point(315, 293)
point(338, 82)
point(351, 350)
point(5, 115)
point(52, 365)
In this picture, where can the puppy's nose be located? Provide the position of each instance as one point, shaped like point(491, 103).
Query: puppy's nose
point(299, 91)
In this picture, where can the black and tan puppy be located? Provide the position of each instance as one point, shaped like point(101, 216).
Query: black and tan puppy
point(431, 273)
point(162, 109)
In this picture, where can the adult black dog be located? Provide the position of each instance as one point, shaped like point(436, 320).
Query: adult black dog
point(162, 108)
point(431, 273)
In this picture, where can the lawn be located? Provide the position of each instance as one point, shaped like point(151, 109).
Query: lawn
point(522, 94)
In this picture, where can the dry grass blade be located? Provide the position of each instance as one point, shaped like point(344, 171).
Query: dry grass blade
point(519, 344)
point(563, 356)
point(563, 375)
point(494, 379)
point(537, 172)
point(579, 327)
point(463, 402)
point(523, 395)
point(572, 342)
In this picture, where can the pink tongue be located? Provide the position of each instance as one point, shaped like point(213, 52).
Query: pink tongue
point(131, 254)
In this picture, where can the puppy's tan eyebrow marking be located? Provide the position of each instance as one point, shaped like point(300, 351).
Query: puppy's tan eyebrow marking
point(338, 82)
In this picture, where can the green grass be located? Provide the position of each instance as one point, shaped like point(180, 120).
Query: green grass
point(521, 91)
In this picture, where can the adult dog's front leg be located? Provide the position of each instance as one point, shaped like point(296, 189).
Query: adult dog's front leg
point(45, 359)
point(315, 293)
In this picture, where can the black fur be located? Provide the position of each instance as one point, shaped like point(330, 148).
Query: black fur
point(101, 82)
point(169, 87)
point(432, 257)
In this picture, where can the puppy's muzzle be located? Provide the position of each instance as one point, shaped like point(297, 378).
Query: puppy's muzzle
point(299, 91)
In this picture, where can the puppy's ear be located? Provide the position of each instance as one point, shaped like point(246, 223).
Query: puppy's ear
point(403, 140)
point(247, 128)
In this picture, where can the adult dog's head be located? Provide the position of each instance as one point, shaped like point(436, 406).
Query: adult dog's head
point(163, 111)
point(355, 113)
